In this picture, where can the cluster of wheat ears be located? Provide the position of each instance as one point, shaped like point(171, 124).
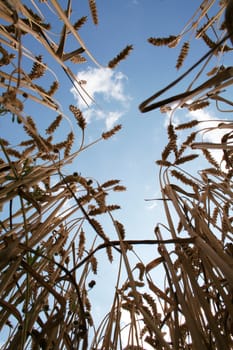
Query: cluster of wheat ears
point(45, 256)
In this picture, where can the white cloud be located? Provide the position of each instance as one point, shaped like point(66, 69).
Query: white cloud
point(103, 86)
point(208, 127)
point(112, 118)
point(214, 135)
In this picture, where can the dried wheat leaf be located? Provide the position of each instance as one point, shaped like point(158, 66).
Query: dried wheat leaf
point(78, 59)
point(110, 183)
point(106, 135)
point(54, 125)
point(163, 163)
point(80, 22)
point(109, 253)
point(103, 209)
point(169, 41)
point(69, 144)
point(4, 142)
point(196, 105)
point(6, 58)
point(94, 264)
point(188, 125)
point(190, 138)
point(13, 152)
point(53, 88)
point(166, 152)
point(149, 299)
point(98, 229)
point(119, 188)
point(187, 181)
point(172, 136)
point(78, 116)
point(213, 71)
point(185, 159)
point(120, 228)
point(94, 13)
point(210, 158)
point(121, 56)
point(183, 54)
point(38, 68)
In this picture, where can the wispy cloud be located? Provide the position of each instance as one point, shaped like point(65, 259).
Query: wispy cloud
point(106, 98)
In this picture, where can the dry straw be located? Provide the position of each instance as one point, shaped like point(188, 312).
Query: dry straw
point(53, 221)
point(41, 221)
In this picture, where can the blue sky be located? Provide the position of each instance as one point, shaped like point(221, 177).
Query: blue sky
point(129, 156)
